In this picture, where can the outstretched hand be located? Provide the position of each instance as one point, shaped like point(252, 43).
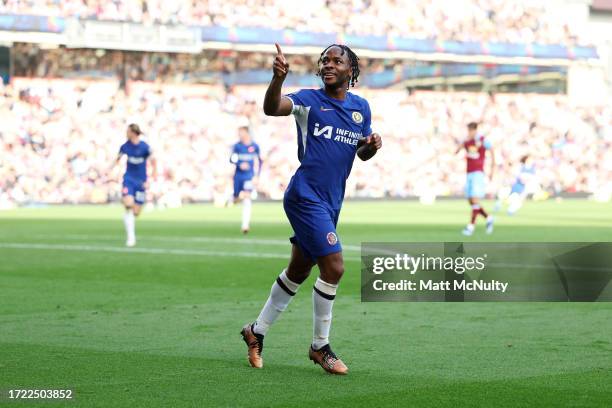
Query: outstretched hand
point(281, 66)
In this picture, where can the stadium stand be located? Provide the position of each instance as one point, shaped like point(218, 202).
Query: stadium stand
point(461, 20)
point(64, 110)
point(61, 136)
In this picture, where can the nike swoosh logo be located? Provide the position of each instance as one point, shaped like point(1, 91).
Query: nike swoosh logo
point(326, 109)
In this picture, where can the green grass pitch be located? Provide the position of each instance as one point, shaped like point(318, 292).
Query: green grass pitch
point(158, 325)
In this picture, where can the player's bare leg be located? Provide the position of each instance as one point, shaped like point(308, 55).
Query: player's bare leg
point(324, 292)
point(131, 211)
point(283, 290)
point(469, 229)
point(137, 209)
point(476, 211)
point(515, 202)
point(480, 211)
point(246, 211)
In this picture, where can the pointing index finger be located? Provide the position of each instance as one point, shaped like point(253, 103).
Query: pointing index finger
point(278, 50)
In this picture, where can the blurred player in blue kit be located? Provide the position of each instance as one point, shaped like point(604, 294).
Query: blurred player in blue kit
point(138, 152)
point(333, 126)
point(244, 154)
point(525, 183)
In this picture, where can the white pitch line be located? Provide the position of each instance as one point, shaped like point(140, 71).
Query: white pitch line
point(271, 242)
point(96, 248)
point(265, 255)
point(157, 251)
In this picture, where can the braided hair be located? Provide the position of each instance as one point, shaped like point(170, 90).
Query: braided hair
point(353, 61)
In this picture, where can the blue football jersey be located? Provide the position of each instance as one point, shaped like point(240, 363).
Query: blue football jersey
point(328, 130)
point(137, 155)
point(525, 174)
point(243, 156)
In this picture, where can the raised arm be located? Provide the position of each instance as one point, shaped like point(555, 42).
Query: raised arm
point(274, 103)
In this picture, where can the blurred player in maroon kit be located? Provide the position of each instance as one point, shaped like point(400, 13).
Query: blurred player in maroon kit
point(476, 146)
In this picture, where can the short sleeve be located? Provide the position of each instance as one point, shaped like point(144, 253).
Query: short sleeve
point(299, 100)
point(149, 150)
point(234, 154)
point(367, 120)
point(122, 150)
point(487, 143)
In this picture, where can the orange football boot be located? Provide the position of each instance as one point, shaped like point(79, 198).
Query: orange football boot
point(326, 358)
point(254, 342)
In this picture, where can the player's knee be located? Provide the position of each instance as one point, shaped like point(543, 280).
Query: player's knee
point(333, 273)
point(298, 273)
point(338, 271)
point(137, 210)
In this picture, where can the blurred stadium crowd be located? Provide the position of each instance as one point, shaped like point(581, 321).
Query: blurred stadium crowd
point(521, 21)
point(32, 61)
point(65, 111)
point(59, 139)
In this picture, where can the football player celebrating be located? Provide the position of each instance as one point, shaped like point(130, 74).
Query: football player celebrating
point(333, 126)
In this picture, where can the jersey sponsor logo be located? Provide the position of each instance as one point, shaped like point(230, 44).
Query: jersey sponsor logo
point(357, 117)
point(136, 160)
point(326, 131)
point(332, 238)
point(246, 156)
point(341, 135)
point(472, 152)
